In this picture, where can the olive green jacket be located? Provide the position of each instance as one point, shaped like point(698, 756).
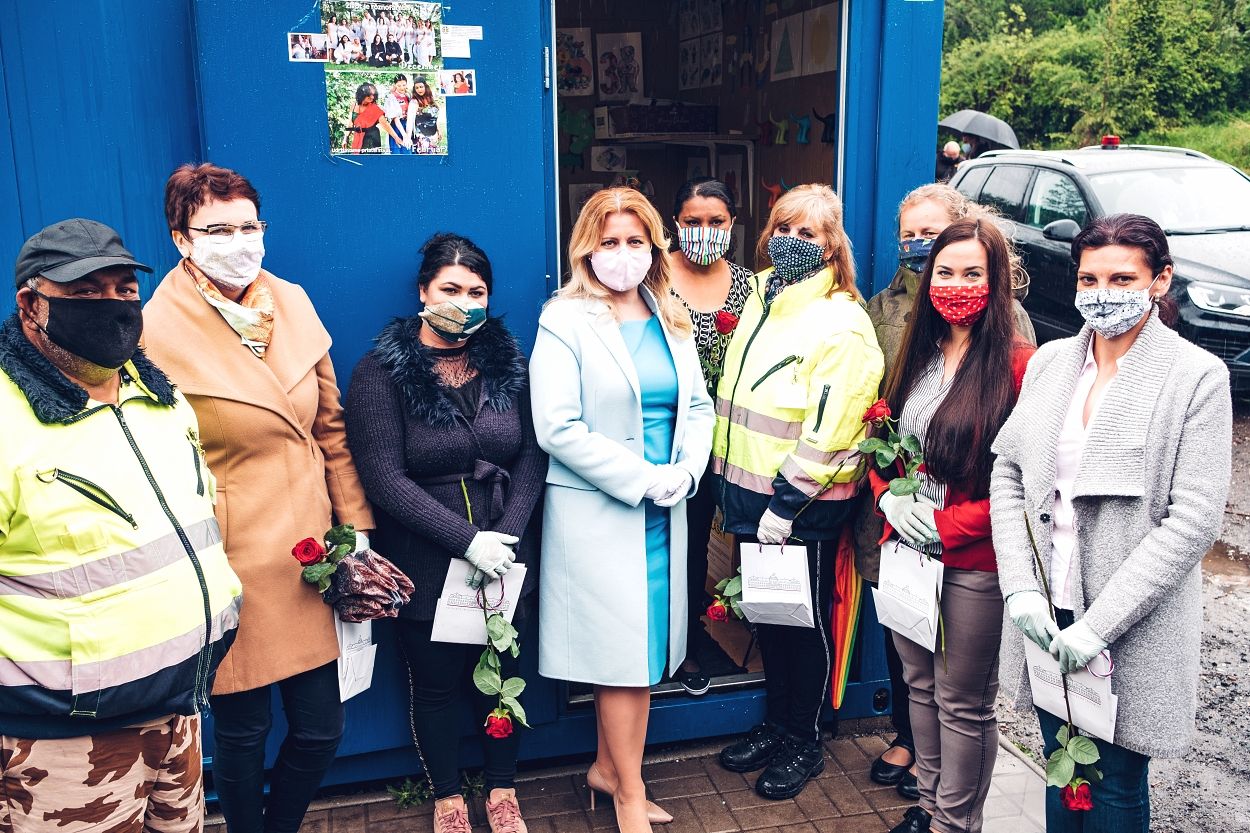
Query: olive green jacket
point(889, 311)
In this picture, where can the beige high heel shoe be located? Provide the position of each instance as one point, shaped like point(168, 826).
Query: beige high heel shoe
point(597, 784)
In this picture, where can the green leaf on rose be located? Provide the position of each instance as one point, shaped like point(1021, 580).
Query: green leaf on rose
point(496, 627)
point(1059, 768)
point(517, 712)
point(342, 535)
point(1063, 735)
point(319, 572)
point(489, 660)
point(903, 486)
point(734, 587)
point(871, 445)
point(1092, 774)
point(512, 687)
point(323, 585)
point(885, 457)
point(1082, 750)
point(911, 444)
point(737, 608)
point(721, 585)
point(487, 680)
point(515, 650)
point(894, 440)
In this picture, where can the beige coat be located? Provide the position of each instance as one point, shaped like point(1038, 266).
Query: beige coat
point(273, 434)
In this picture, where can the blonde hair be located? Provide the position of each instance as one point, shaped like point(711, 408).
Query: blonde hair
point(959, 207)
point(816, 206)
point(585, 239)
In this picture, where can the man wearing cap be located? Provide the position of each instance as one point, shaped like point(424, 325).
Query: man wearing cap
point(116, 598)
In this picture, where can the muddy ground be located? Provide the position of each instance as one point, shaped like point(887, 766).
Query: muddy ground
point(1208, 789)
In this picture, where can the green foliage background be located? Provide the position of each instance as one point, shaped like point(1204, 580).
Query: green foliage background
point(1064, 72)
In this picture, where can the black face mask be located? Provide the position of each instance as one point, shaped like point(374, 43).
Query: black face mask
point(105, 332)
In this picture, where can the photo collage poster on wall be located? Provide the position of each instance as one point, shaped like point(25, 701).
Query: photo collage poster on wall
point(383, 94)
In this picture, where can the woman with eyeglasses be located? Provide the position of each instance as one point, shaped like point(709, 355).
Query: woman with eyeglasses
point(250, 354)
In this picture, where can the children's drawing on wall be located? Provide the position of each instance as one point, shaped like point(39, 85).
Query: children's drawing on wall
point(575, 74)
point(710, 16)
point(688, 22)
point(454, 82)
point(689, 64)
point(696, 167)
point(380, 34)
point(620, 65)
point(607, 158)
point(729, 171)
point(710, 60)
point(787, 47)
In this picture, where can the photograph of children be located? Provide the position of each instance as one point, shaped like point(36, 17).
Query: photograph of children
point(382, 34)
point(620, 65)
point(308, 46)
point(454, 82)
point(384, 112)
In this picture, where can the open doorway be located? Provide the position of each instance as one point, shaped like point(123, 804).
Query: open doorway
point(653, 93)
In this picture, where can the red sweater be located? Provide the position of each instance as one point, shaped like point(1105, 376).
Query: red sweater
point(964, 524)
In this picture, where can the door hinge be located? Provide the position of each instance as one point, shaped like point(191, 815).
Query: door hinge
point(546, 67)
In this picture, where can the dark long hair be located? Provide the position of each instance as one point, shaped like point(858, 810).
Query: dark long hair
point(957, 443)
point(704, 186)
point(447, 249)
point(1132, 231)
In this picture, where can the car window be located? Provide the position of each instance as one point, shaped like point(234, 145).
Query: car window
point(971, 182)
point(1054, 197)
point(1004, 189)
point(1188, 199)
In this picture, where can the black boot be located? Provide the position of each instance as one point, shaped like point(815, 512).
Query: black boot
point(884, 772)
point(753, 751)
point(791, 768)
point(914, 820)
point(907, 787)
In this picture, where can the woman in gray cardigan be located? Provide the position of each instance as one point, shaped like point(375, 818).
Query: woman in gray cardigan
point(1118, 455)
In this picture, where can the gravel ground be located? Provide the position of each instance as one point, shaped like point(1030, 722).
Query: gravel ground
point(1208, 789)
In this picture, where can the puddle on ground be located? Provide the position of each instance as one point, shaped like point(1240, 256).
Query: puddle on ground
point(1227, 562)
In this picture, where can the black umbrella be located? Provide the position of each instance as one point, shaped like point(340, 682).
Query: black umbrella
point(976, 123)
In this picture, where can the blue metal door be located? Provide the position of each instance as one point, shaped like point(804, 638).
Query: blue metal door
point(348, 229)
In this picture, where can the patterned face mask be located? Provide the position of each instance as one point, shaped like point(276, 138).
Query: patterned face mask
point(703, 245)
point(793, 256)
point(1113, 312)
point(961, 306)
point(454, 321)
point(914, 252)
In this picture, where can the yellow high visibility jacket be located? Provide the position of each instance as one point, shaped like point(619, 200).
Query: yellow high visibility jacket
point(799, 374)
point(116, 598)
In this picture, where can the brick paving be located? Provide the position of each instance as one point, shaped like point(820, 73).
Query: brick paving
point(704, 798)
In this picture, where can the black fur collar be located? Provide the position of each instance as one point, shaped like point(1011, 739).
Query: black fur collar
point(52, 396)
point(492, 350)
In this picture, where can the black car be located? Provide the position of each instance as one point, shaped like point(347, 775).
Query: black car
point(1202, 204)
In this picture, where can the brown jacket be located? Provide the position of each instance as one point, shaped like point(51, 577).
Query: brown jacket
point(273, 435)
point(889, 310)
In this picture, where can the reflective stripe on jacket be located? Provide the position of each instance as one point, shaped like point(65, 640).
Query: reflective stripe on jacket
point(798, 377)
point(116, 598)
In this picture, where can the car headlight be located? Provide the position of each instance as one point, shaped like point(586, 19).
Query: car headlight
point(1214, 297)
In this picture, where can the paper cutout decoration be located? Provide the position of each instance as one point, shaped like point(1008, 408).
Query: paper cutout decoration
point(803, 125)
point(782, 126)
point(829, 134)
point(820, 39)
point(575, 74)
point(787, 47)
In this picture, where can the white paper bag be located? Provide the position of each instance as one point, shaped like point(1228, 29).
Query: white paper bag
point(906, 595)
point(459, 618)
point(776, 589)
point(1094, 707)
point(356, 655)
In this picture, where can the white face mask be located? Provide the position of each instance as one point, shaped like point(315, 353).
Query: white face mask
point(234, 261)
point(1113, 312)
point(621, 269)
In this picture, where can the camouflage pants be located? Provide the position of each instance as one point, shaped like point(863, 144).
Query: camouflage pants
point(142, 778)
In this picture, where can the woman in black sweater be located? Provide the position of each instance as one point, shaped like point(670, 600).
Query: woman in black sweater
point(439, 425)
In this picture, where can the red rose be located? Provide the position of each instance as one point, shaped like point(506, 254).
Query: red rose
point(878, 413)
point(717, 611)
point(1077, 798)
point(725, 322)
point(308, 551)
point(499, 723)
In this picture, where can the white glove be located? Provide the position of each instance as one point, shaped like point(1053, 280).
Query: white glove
point(362, 542)
point(667, 481)
point(1028, 609)
point(685, 481)
point(491, 552)
point(911, 516)
point(773, 529)
point(1075, 646)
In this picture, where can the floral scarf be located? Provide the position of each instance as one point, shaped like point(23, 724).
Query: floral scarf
point(251, 316)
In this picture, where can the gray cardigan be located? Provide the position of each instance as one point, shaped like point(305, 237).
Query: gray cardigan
point(1149, 501)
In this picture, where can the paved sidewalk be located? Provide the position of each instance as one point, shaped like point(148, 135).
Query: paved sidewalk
point(704, 798)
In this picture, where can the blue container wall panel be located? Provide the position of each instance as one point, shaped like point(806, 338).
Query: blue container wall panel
point(98, 115)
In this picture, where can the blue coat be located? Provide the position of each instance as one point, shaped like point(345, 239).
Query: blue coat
point(588, 417)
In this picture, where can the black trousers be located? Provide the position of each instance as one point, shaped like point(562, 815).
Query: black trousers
point(442, 684)
point(700, 510)
point(241, 723)
point(798, 662)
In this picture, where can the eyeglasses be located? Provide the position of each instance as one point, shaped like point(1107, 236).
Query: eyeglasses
point(228, 229)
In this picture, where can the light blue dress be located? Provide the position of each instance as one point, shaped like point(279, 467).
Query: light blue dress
point(657, 380)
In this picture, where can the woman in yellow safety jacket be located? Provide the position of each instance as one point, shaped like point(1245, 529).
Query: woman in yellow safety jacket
point(801, 370)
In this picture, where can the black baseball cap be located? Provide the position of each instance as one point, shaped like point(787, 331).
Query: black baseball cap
point(71, 249)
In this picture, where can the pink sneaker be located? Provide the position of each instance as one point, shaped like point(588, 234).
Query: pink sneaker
point(450, 816)
point(503, 813)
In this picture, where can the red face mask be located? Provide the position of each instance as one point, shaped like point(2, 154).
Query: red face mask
point(961, 306)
